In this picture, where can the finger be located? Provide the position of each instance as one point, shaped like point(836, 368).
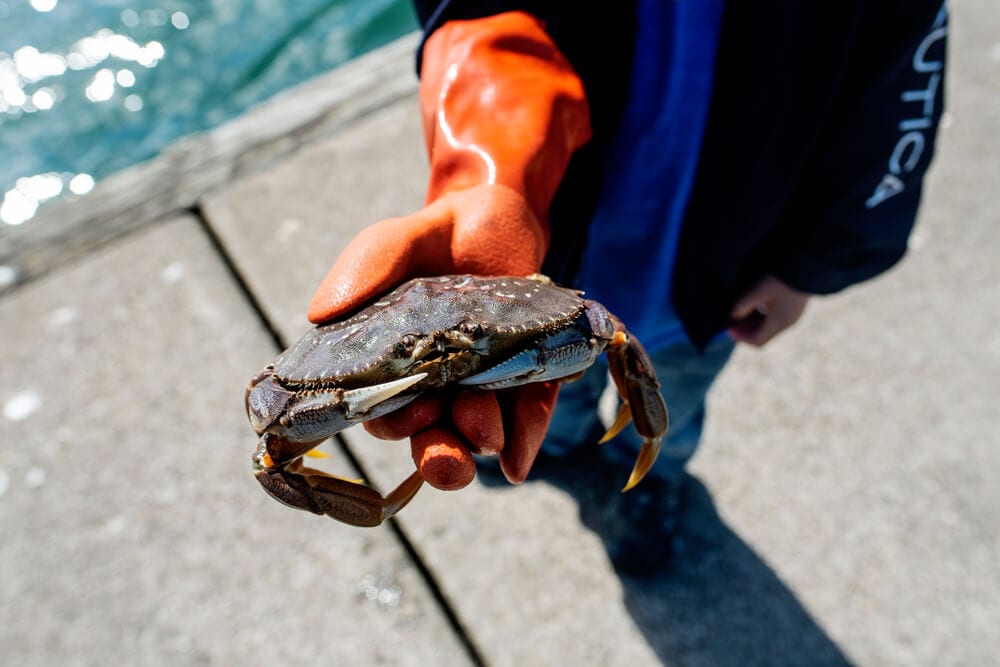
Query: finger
point(744, 329)
point(759, 299)
point(740, 333)
point(748, 305)
point(755, 336)
point(527, 411)
point(412, 418)
point(745, 308)
point(478, 418)
point(443, 459)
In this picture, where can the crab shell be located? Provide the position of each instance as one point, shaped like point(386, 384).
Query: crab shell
point(447, 328)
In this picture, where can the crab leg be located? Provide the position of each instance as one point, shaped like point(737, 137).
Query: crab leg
point(632, 371)
point(357, 504)
point(342, 499)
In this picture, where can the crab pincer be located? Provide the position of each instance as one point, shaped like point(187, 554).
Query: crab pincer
point(632, 371)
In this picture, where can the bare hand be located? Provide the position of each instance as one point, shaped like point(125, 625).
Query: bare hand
point(765, 311)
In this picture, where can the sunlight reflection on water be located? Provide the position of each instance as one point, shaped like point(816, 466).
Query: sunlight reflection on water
point(91, 86)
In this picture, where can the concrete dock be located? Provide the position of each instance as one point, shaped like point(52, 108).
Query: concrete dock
point(847, 502)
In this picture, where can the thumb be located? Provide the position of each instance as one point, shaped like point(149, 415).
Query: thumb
point(382, 256)
point(748, 305)
point(755, 302)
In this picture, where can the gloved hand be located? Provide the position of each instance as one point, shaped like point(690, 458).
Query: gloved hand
point(503, 112)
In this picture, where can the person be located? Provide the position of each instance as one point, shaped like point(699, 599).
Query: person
point(700, 167)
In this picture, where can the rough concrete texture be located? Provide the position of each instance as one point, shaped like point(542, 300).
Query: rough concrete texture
point(133, 531)
point(853, 462)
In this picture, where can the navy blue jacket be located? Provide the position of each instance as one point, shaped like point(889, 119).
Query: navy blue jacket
point(821, 127)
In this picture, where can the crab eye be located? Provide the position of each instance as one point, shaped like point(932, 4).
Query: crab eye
point(406, 343)
point(469, 328)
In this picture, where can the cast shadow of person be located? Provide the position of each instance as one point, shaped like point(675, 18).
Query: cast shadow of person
point(717, 603)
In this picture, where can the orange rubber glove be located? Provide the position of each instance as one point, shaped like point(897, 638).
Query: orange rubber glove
point(503, 113)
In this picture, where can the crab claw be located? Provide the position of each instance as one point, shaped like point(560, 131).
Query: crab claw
point(555, 357)
point(632, 371)
point(622, 420)
point(272, 409)
point(362, 401)
point(647, 457)
point(647, 454)
point(265, 401)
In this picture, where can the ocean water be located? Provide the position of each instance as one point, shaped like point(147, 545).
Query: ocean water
point(88, 87)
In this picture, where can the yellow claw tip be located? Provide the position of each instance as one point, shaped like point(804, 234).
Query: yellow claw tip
point(622, 419)
point(630, 484)
point(647, 457)
point(317, 454)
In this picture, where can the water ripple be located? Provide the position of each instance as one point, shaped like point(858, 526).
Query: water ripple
point(88, 88)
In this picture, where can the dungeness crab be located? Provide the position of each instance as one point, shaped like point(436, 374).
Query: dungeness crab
point(483, 332)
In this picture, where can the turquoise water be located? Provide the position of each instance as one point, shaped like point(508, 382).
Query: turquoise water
point(88, 87)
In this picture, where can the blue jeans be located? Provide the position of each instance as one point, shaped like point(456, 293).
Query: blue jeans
point(685, 373)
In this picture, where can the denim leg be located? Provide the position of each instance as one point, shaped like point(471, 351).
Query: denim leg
point(686, 374)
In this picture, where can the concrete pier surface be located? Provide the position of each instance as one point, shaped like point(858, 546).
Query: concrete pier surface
point(846, 501)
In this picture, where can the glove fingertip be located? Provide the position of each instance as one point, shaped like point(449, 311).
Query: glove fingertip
point(477, 417)
point(417, 416)
point(443, 459)
point(526, 421)
point(375, 261)
point(345, 289)
point(338, 294)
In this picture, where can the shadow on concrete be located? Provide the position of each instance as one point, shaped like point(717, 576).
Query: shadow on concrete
point(717, 603)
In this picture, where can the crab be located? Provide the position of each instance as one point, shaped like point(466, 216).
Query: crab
point(480, 332)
